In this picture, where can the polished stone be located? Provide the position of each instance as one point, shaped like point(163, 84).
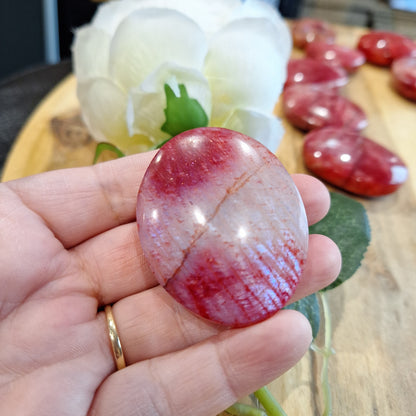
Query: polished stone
point(222, 226)
point(308, 107)
point(382, 48)
point(307, 30)
point(337, 55)
point(404, 76)
point(353, 162)
point(311, 71)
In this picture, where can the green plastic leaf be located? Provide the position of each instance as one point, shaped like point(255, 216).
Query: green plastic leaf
point(309, 307)
point(347, 224)
point(182, 113)
point(102, 146)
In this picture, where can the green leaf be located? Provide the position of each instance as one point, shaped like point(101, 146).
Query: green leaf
point(347, 224)
point(106, 146)
point(309, 307)
point(182, 113)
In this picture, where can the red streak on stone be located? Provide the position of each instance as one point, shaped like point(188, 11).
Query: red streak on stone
point(382, 48)
point(183, 167)
point(353, 162)
point(208, 282)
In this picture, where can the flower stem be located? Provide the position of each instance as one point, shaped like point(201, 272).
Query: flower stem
point(326, 352)
point(240, 409)
point(269, 403)
point(106, 146)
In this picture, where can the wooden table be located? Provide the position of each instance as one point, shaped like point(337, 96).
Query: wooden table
point(374, 314)
point(374, 369)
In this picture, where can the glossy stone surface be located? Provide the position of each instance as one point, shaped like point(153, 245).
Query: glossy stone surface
point(353, 162)
point(382, 48)
point(404, 76)
point(308, 107)
point(337, 55)
point(222, 226)
point(308, 30)
point(311, 71)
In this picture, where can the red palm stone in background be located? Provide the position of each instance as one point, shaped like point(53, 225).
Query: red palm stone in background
point(353, 162)
point(311, 71)
point(222, 226)
point(308, 107)
point(382, 48)
point(404, 76)
point(347, 58)
point(308, 30)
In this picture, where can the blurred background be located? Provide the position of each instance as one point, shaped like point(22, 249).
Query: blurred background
point(39, 32)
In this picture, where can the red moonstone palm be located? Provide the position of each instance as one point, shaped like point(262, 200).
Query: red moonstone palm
point(308, 30)
point(337, 55)
point(311, 71)
point(353, 162)
point(382, 48)
point(308, 107)
point(222, 226)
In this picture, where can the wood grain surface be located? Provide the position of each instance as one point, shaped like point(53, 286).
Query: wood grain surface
point(373, 371)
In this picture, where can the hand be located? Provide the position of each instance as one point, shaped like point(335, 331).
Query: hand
point(69, 246)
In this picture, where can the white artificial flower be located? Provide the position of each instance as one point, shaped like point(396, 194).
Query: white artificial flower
point(230, 55)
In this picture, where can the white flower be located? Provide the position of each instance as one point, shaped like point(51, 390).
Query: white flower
point(230, 56)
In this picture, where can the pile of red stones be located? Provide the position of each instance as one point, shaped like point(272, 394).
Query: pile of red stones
point(334, 149)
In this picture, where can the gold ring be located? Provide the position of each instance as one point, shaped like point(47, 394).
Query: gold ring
point(114, 339)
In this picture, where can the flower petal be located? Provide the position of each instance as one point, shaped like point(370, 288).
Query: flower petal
point(90, 52)
point(145, 112)
point(245, 67)
point(268, 130)
point(210, 15)
point(103, 106)
point(148, 38)
point(109, 15)
point(261, 9)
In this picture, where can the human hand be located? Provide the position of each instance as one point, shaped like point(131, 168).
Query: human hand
point(68, 247)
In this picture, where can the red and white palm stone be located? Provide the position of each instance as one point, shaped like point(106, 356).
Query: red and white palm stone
point(337, 55)
point(382, 47)
point(307, 30)
point(222, 226)
point(309, 107)
point(404, 76)
point(353, 162)
point(312, 71)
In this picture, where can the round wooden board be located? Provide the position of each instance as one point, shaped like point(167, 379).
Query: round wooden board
point(374, 314)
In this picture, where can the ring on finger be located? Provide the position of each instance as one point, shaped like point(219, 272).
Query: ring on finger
point(114, 339)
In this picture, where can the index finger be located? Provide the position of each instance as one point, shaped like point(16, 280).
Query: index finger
point(79, 203)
